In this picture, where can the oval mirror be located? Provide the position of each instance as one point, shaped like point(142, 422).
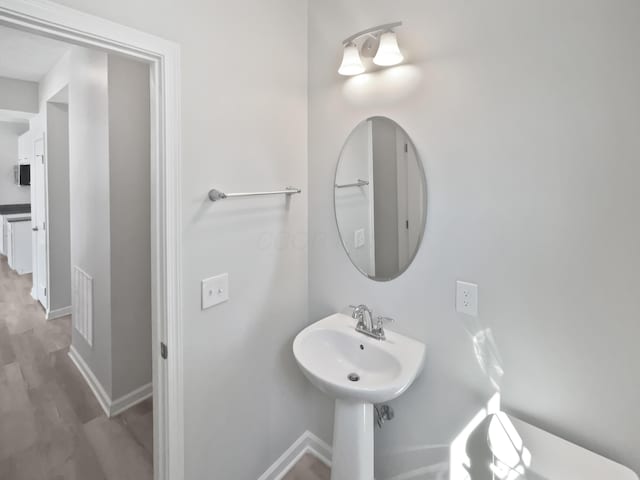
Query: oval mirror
point(380, 198)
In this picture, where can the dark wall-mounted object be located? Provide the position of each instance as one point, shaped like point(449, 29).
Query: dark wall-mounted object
point(23, 174)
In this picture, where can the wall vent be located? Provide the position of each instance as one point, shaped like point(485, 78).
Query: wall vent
point(83, 304)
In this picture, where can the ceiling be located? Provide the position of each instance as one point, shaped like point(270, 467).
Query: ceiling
point(25, 56)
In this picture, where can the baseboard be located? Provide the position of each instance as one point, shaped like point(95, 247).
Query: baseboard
point(130, 399)
point(110, 407)
point(59, 313)
point(307, 443)
point(96, 387)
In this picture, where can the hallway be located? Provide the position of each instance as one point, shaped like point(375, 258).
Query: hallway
point(51, 426)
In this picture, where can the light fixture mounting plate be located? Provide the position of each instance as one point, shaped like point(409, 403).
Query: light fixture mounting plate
point(370, 46)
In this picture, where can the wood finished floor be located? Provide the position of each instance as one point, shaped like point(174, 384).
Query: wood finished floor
point(308, 468)
point(51, 425)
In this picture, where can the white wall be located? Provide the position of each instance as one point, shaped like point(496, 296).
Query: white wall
point(525, 115)
point(352, 203)
point(9, 191)
point(130, 198)
point(55, 80)
point(18, 95)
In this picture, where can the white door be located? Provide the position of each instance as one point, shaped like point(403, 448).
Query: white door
point(38, 221)
point(404, 180)
point(410, 199)
point(372, 211)
point(416, 199)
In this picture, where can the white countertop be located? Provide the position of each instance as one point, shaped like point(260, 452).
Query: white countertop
point(17, 217)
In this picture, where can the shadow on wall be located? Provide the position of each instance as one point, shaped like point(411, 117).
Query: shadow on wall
point(488, 447)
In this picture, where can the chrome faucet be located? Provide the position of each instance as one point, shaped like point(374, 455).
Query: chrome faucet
point(364, 317)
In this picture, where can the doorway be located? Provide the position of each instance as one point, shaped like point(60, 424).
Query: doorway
point(162, 56)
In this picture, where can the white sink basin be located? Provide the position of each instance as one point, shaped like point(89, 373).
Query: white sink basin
point(357, 371)
point(330, 350)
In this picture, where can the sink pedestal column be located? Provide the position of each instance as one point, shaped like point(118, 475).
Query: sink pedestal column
point(352, 441)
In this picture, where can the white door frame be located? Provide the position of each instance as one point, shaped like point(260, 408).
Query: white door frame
point(63, 23)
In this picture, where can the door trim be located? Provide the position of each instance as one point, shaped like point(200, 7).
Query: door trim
point(63, 23)
point(40, 160)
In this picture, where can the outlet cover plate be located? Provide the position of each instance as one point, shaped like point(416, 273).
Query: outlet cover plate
point(467, 298)
point(358, 238)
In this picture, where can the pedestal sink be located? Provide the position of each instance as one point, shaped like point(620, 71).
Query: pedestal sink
point(358, 371)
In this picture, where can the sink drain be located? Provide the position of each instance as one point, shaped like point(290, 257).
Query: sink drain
point(354, 377)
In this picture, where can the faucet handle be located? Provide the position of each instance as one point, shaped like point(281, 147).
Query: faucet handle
point(357, 312)
point(360, 308)
point(380, 321)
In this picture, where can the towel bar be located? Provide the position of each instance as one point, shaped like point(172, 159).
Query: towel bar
point(215, 195)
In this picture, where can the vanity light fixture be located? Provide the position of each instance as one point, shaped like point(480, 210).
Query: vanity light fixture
point(388, 51)
point(351, 61)
point(380, 42)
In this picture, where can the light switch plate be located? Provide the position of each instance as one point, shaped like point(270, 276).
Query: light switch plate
point(358, 238)
point(215, 290)
point(467, 298)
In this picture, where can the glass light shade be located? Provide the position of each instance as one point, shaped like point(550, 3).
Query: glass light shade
point(388, 52)
point(351, 61)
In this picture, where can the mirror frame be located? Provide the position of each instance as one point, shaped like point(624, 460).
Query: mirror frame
point(426, 200)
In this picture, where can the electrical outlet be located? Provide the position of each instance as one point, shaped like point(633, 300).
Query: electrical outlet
point(215, 290)
point(358, 238)
point(467, 298)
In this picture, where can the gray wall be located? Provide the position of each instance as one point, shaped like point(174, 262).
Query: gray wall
point(385, 178)
point(535, 101)
point(18, 95)
point(129, 157)
point(110, 183)
point(90, 201)
point(107, 200)
point(246, 131)
point(9, 191)
point(57, 138)
point(526, 117)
